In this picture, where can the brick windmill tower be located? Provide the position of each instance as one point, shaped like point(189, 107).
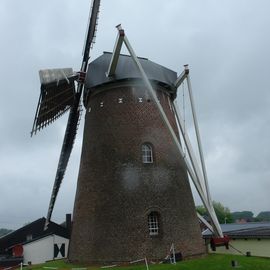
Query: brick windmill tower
point(133, 196)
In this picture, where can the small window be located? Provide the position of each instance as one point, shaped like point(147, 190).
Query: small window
point(147, 153)
point(153, 223)
point(29, 237)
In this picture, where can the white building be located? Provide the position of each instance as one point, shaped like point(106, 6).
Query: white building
point(44, 249)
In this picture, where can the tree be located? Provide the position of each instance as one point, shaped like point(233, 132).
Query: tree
point(247, 215)
point(223, 213)
point(263, 216)
point(201, 210)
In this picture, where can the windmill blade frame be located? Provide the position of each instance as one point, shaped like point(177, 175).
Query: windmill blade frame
point(70, 134)
point(57, 94)
point(73, 120)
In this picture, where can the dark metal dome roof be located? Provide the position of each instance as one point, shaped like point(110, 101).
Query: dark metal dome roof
point(126, 69)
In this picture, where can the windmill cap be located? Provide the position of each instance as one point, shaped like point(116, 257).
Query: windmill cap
point(126, 69)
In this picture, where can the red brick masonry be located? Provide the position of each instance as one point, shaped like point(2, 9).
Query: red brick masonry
point(116, 191)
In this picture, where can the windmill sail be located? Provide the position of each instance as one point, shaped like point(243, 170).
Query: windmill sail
point(56, 96)
point(74, 115)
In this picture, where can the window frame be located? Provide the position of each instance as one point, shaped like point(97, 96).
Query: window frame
point(147, 153)
point(29, 237)
point(153, 220)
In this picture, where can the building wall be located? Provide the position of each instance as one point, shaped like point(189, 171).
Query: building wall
point(30, 231)
point(256, 247)
point(42, 250)
point(116, 191)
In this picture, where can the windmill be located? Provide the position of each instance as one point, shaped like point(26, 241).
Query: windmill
point(133, 197)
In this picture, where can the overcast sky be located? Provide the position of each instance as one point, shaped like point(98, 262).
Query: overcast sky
point(226, 43)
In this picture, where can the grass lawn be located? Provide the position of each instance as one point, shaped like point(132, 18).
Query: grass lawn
point(210, 262)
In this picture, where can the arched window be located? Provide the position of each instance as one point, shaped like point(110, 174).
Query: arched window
point(153, 223)
point(147, 153)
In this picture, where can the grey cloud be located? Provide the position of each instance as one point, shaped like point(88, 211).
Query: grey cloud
point(226, 44)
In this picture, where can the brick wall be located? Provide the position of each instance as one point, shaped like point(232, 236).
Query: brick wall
point(116, 191)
